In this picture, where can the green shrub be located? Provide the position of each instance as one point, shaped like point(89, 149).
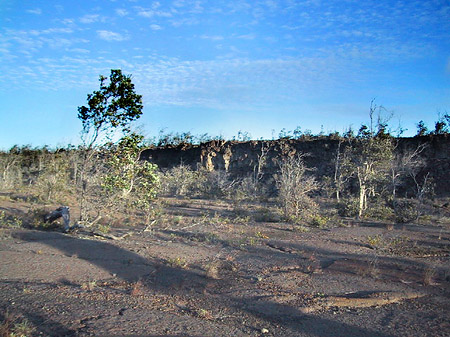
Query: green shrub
point(376, 241)
point(9, 220)
point(35, 218)
point(319, 221)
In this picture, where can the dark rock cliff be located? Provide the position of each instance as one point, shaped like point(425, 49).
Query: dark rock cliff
point(241, 159)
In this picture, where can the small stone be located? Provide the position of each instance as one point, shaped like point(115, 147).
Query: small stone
point(264, 330)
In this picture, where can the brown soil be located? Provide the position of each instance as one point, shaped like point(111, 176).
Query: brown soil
point(203, 271)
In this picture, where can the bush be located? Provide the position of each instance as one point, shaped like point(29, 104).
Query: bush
point(348, 208)
point(214, 184)
point(264, 214)
point(183, 181)
point(405, 211)
point(9, 220)
point(319, 221)
point(380, 212)
point(179, 181)
point(295, 187)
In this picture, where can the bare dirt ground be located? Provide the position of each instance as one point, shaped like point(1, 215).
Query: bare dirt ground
point(204, 271)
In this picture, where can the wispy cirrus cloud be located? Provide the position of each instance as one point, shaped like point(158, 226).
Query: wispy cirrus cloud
point(155, 27)
point(19, 43)
point(91, 18)
point(150, 13)
point(108, 35)
point(121, 12)
point(250, 36)
point(212, 37)
point(51, 31)
point(36, 11)
point(190, 21)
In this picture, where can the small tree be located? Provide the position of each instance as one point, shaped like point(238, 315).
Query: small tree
point(54, 176)
point(407, 163)
point(341, 162)
point(295, 186)
point(442, 125)
point(422, 129)
point(370, 156)
point(110, 109)
point(10, 168)
point(128, 179)
point(114, 106)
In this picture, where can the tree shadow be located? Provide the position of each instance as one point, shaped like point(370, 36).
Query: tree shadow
point(47, 327)
point(165, 279)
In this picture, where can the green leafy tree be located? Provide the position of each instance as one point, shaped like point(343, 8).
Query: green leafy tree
point(114, 106)
point(111, 108)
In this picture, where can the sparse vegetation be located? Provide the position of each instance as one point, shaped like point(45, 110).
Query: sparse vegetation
point(177, 262)
point(89, 285)
point(295, 186)
point(9, 220)
point(15, 326)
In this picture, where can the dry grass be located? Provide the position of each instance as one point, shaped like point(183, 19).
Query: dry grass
point(137, 289)
point(429, 275)
point(15, 326)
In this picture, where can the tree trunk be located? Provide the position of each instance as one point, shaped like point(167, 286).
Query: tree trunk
point(362, 200)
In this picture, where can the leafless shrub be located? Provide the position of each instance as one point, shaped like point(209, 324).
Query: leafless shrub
point(295, 187)
point(53, 181)
point(181, 180)
point(10, 171)
point(178, 181)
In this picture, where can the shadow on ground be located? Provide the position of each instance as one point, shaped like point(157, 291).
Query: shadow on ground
point(161, 278)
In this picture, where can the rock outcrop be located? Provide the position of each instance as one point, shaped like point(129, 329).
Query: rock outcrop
point(241, 159)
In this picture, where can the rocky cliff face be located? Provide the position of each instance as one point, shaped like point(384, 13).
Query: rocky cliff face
point(241, 159)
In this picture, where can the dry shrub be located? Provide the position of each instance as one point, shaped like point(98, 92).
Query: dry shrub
point(295, 187)
point(14, 325)
point(137, 289)
point(219, 268)
point(406, 211)
point(178, 181)
point(429, 275)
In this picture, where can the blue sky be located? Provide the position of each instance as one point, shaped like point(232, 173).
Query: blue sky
point(222, 66)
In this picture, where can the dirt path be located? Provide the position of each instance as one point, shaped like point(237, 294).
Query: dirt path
point(233, 279)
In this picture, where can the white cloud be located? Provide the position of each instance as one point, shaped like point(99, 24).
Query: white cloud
point(110, 36)
point(51, 31)
point(36, 11)
point(185, 22)
point(79, 50)
point(155, 27)
point(247, 37)
point(121, 12)
point(149, 13)
point(212, 37)
point(90, 18)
